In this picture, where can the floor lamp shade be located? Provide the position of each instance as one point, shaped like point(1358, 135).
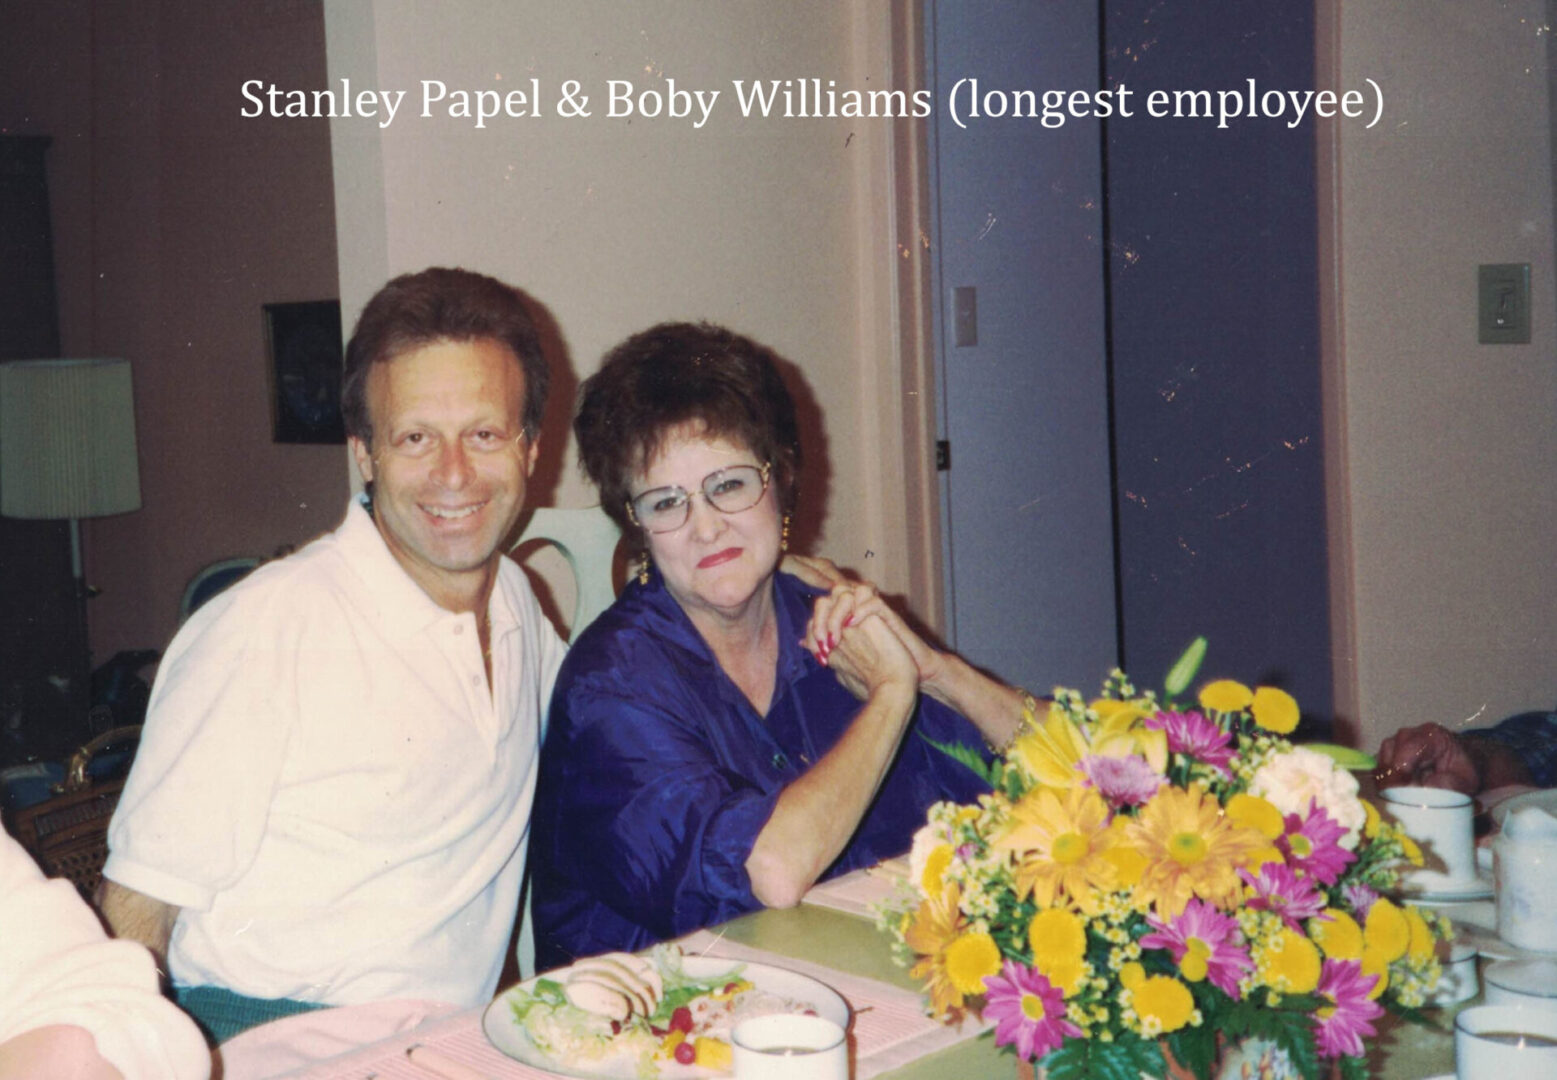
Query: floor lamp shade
point(67, 439)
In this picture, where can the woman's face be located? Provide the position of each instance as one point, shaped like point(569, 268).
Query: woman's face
point(715, 562)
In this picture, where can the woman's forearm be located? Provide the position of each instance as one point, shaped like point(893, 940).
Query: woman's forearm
point(995, 709)
point(817, 813)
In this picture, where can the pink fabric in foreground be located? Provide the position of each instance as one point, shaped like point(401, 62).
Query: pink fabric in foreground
point(297, 1042)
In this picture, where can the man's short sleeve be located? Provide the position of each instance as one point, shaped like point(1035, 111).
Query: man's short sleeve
point(193, 811)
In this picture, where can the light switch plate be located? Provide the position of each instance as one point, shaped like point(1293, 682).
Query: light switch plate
point(1503, 303)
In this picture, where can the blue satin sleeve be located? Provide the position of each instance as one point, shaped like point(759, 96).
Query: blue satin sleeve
point(668, 827)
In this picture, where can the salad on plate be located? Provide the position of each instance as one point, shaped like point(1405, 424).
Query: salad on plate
point(662, 1015)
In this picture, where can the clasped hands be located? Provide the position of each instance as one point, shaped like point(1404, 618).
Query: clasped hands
point(868, 645)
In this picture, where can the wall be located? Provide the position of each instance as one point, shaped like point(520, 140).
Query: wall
point(780, 228)
point(175, 220)
point(1444, 458)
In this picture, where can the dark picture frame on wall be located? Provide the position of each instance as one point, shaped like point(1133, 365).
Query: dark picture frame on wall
point(304, 343)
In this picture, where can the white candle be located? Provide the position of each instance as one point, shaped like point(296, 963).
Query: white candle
point(789, 1047)
point(1505, 1042)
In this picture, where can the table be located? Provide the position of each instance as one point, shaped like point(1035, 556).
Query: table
point(853, 945)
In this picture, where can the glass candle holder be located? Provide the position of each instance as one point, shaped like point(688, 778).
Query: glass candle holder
point(789, 1047)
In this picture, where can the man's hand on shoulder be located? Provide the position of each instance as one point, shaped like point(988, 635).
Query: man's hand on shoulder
point(816, 571)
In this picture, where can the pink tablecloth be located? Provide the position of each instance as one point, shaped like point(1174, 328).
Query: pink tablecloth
point(889, 1029)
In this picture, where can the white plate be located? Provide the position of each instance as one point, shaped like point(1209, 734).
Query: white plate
point(1546, 799)
point(509, 1036)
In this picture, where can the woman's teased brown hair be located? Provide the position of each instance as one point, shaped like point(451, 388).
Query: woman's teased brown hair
point(673, 375)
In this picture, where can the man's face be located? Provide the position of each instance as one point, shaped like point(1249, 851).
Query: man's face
point(449, 461)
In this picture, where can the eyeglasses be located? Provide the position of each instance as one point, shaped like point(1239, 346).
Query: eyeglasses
point(731, 490)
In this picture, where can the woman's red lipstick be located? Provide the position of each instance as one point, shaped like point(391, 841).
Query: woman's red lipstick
point(718, 557)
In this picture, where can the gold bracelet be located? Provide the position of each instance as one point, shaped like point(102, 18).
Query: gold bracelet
point(1029, 720)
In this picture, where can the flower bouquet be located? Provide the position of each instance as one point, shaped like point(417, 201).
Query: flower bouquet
point(1151, 885)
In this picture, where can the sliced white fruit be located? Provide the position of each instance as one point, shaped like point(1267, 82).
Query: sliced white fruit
point(646, 971)
point(598, 998)
point(636, 973)
point(635, 992)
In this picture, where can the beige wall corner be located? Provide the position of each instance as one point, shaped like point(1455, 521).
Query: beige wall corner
point(1332, 380)
point(1448, 446)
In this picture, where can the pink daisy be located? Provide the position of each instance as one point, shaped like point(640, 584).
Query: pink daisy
point(1192, 734)
point(1312, 845)
point(1207, 936)
point(1122, 781)
point(1027, 1011)
point(1277, 888)
point(1360, 898)
point(1340, 1026)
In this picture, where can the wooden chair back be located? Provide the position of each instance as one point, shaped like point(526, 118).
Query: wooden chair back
point(67, 835)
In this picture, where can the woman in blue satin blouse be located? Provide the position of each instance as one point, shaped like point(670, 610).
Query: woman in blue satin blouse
point(724, 736)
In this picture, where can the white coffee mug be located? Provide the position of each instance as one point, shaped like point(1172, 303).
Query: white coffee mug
point(785, 1046)
point(1525, 865)
point(1529, 983)
point(1439, 820)
point(1505, 1042)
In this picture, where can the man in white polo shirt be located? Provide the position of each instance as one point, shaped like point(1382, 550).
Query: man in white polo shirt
point(331, 800)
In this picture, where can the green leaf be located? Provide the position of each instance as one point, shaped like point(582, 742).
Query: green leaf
point(1184, 669)
point(1126, 1059)
point(1416, 1016)
point(1344, 756)
point(1355, 1068)
point(1289, 1027)
point(1195, 1048)
point(967, 755)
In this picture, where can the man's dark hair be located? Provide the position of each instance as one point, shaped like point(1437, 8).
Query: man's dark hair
point(440, 304)
point(675, 374)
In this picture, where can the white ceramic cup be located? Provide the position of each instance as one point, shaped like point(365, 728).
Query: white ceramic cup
point(1458, 981)
point(1525, 864)
point(1439, 820)
point(1528, 983)
point(789, 1047)
point(1505, 1042)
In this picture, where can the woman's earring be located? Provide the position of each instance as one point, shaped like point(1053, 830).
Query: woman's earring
point(643, 568)
point(784, 535)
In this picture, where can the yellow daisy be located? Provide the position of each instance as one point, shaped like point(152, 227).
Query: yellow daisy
point(1337, 934)
point(1059, 841)
point(1420, 943)
point(1225, 695)
point(1288, 962)
point(1274, 710)
point(1374, 963)
point(937, 924)
point(1129, 864)
point(1163, 1003)
point(932, 878)
point(969, 959)
point(1058, 939)
point(1385, 931)
point(1191, 849)
point(1256, 813)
